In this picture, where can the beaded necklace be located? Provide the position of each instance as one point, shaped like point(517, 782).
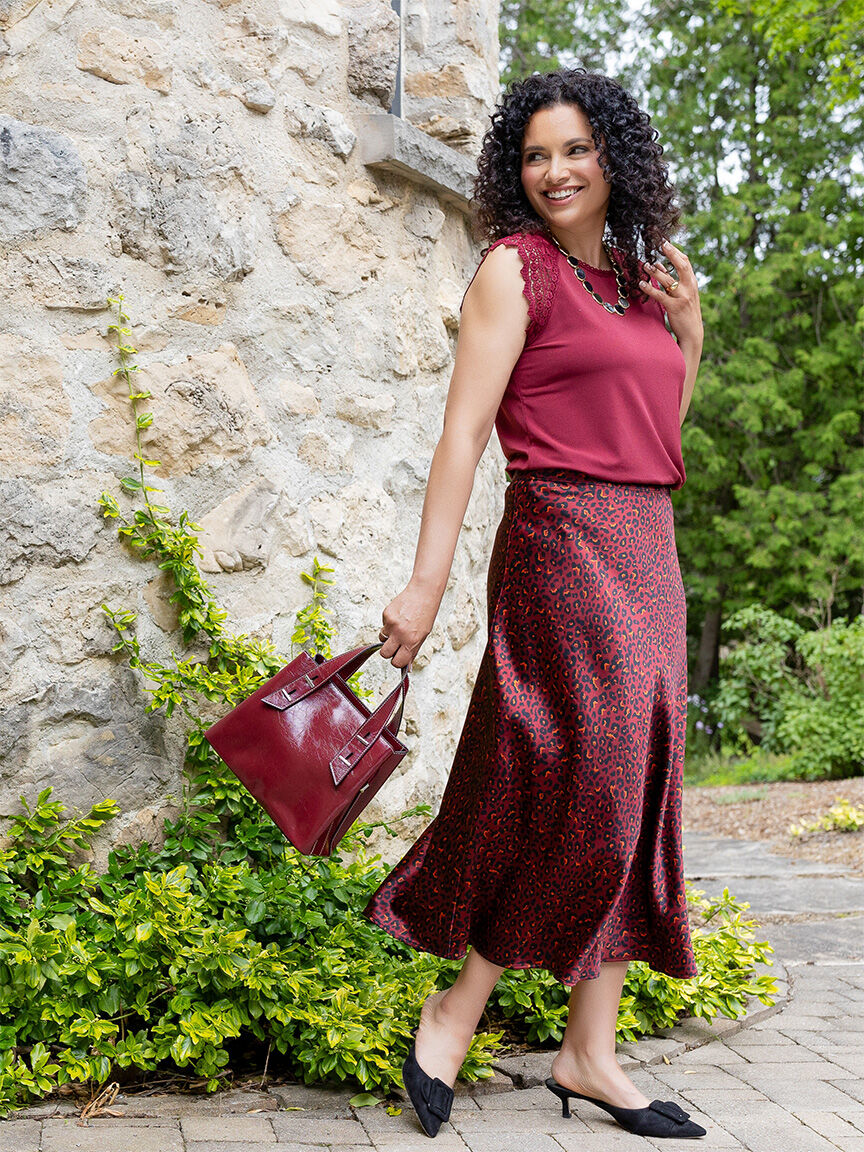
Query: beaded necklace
point(623, 303)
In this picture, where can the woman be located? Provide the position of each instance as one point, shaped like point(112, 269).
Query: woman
point(558, 839)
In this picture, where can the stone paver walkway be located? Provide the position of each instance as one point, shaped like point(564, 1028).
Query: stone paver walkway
point(789, 1078)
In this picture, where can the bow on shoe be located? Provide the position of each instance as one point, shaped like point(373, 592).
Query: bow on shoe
point(670, 1108)
point(438, 1097)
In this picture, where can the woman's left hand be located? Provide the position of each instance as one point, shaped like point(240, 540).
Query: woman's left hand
point(682, 303)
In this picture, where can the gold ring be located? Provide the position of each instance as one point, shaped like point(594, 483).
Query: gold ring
point(672, 287)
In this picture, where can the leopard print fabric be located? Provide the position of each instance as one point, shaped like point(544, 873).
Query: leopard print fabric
point(557, 843)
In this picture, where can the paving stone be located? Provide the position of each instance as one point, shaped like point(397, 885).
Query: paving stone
point(789, 1093)
point(711, 1055)
point(177, 1105)
point(827, 1124)
point(448, 1139)
point(244, 1146)
point(756, 1038)
point(331, 1100)
point(613, 1141)
point(820, 940)
point(652, 1049)
point(679, 1077)
point(251, 1129)
point(47, 1111)
point(786, 1053)
point(520, 1100)
point(20, 1135)
point(303, 1130)
point(528, 1142)
point(766, 1127)
point(528, 1069)
point(836, 1036)
point(848, 1057)
point(802, 1022)
point(549, 1122)
point(853, 1088)
point(111, 1136)
point(493, 1085)
point(799, 1072)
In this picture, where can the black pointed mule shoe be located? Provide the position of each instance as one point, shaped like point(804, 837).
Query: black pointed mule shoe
point(659, 1118)
point(431, 1097)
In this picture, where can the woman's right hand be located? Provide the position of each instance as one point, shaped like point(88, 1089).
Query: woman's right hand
point(408, 620)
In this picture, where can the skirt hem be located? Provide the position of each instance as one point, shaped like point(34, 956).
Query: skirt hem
point(567, 976)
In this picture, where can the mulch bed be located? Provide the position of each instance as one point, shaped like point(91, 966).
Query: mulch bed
point(765, 811)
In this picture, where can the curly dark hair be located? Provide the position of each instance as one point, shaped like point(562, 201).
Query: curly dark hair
point(641, 199)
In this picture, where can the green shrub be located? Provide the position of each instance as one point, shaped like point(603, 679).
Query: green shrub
point(799, 693)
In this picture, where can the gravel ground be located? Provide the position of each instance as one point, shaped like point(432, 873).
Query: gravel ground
point(765, 811)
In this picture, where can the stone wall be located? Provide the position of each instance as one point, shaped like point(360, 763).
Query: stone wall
point(295, 313)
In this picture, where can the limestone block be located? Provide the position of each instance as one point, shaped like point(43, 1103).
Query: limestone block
point(442, 83)
point(322, 16)
point(59, 281)
point(325, 454)
point(114, 55)
point(424, 220)
point(462, 621)
point(369, 195)
point(406, 480)
point(320, 123)
point(298, 398)
point(206, 406)
point(367, 411)
point(66, 620)
point(368, 527)
point(373, 51)
point(258, 96)
point(161, 12)
point(181, 228)
point(89, 738)
point(43, 184)
point(420, 338)
point(238, 532)
point(35, 415)
point(11, 11)
point(461, 132)
point(330, 240)
point(325, 516)
point(31, 23)
point(449, 299)
point(297, 535)
point(157, 595)
point(182, 201)
point(13, 644)
point(202, 306)
point(54, 524)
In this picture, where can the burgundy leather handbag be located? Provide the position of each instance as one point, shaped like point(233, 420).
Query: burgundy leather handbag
point(309, 750)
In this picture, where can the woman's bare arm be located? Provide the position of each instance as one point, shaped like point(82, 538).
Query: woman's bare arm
point(491, 337)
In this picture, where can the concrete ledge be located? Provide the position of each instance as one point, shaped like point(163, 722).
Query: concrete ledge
point(390, 144)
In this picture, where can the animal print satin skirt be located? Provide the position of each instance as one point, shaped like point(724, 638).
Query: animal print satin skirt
point(557, 843)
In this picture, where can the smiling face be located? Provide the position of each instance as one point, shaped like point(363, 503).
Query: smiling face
point(561, 175)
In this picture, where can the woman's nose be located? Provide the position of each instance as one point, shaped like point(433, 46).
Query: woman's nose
point(557, 168)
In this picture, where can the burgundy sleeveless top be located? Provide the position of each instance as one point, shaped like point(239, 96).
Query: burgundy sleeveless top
point(592, 390)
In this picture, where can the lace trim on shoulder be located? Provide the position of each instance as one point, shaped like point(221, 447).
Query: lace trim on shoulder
point(539, 276)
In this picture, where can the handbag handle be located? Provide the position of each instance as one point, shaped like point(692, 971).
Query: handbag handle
point(350, 754)
point(347, 663)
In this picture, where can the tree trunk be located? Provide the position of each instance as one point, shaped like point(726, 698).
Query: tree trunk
point(707, 658)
